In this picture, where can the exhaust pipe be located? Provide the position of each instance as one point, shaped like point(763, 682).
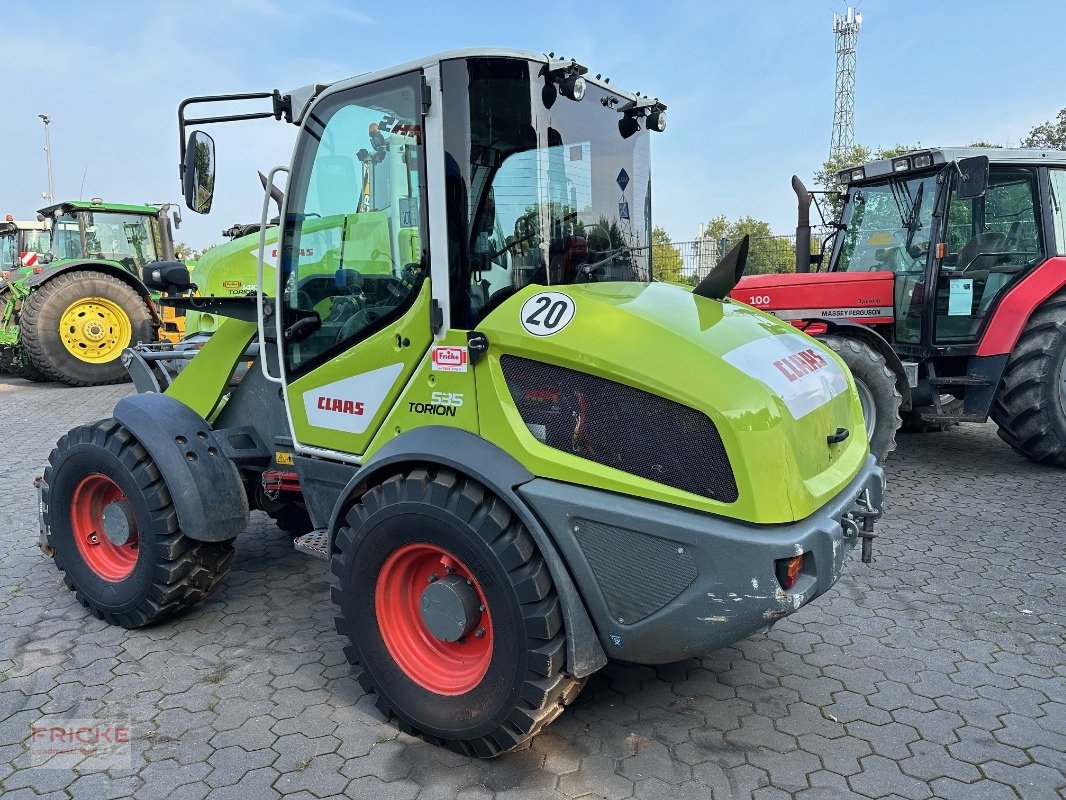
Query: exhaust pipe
point(803, 225)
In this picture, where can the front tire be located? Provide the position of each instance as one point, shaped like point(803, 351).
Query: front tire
point(878, 393)
point(75, 327)
point(114, 532)
point(1030, 405)
point(492, 683)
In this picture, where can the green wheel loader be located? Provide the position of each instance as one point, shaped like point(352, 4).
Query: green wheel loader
point(520, 455)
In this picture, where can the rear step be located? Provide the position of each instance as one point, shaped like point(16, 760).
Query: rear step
point(315, 543)
point(932, 416)
point(961, 380)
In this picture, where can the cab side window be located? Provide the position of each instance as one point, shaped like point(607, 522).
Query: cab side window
point(354, 257)
point(1058, 209)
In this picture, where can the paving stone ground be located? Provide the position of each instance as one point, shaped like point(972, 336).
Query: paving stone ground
point(937, 671)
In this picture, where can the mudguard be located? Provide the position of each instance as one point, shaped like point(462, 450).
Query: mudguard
point(204, 484)
point(485, 462)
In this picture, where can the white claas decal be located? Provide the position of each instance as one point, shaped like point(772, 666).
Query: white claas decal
point(794, 368)
point(350, 404)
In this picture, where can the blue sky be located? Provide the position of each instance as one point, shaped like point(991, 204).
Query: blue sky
point(749, 86)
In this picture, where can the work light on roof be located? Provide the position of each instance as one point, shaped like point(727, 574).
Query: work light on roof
point(901, 164)
point(924, 160)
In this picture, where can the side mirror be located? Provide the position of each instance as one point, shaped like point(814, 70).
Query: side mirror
point(198, 172)
point(973, 177)
point(167, 276)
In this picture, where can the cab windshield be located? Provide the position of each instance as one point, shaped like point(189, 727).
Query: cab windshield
point(887, 226)
point(129, 239)
point(540, 189)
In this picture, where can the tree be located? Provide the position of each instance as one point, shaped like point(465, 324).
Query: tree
point(1051, 134)
point(982, 143)
point(766, 252)
point(665, 257)
point(183, 252)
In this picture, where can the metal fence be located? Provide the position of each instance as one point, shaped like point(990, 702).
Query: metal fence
point(765, 254)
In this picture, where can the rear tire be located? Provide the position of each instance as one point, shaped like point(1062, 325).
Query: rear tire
point(1030, 404)
point(878, 393)
point(114, 532)
point(45, 327)
point(485, 693)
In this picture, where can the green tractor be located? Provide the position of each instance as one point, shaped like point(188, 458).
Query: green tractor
point(22, 244)
point(520, 455)
point(69, 316)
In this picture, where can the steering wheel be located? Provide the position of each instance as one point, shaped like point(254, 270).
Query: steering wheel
point(357, 322)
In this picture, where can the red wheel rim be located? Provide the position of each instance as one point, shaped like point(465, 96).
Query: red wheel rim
point(110, 561)
point(446, 668)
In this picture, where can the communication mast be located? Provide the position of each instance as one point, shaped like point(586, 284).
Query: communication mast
point(846, 28)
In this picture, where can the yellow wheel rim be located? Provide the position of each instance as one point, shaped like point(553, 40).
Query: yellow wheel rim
point(95, 330)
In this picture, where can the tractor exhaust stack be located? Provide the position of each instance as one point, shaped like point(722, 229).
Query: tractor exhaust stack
point(803, 225)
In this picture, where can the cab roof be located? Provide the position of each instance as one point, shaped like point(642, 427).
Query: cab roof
point(938, 156)
point(7, 226)
point(89, 205)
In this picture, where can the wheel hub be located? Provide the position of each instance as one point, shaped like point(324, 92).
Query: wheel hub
point(118, 523)
point(95, 329)
point(434, 619)
point(450, 608)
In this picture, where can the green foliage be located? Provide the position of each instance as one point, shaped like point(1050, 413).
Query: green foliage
point(982, 143)
point(665, 257)
point(766, 252)
point(1051, 134)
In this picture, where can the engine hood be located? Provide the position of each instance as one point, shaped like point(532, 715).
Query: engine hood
point(774, 394)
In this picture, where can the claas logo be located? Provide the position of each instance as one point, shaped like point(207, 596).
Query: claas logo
point(799, 364)
point(353, 407)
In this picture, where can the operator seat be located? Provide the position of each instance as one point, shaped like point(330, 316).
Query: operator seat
point(989, 242)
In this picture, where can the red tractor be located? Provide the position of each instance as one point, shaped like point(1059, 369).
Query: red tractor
point(943, 287)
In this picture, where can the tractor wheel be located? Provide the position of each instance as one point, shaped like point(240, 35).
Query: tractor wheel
point(450, 611)
point(75, 327)
point(1030, 405)
point(878, 393)
point(114, 533)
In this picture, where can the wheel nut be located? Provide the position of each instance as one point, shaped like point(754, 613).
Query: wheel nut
point(434, 577)
point(479, 632)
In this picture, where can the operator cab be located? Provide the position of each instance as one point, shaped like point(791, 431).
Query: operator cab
point(961, 225)
point(128, 235)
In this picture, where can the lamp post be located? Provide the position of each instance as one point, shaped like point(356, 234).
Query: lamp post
point(47, 120)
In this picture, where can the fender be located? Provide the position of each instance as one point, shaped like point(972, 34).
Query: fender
point(108, 268)
point(488, 464)
point(1013, 310)
point(843, 327)
point(204, 484)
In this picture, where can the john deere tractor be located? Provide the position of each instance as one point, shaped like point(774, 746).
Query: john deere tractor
point(519, 454)
point(69, 316)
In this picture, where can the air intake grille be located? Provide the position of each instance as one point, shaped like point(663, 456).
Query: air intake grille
point(621, 427)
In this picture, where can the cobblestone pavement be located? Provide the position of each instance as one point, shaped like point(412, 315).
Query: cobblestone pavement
point(937, 671)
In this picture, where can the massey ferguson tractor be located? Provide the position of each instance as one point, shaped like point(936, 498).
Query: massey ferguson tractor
point(944, 290)
point(519, 454)
point(69, 315)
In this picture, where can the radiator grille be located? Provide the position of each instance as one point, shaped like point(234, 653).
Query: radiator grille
point(621, 427)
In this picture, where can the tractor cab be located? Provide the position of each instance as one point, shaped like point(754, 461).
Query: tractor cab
point(22, 242)
point(954, 230)
point(940, 263)
point(129, 235)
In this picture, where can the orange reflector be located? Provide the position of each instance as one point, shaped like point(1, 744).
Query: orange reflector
point(941, 250)
point(794, 565)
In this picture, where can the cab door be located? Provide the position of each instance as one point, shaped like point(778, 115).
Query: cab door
point(353, 296)
point(991, 242)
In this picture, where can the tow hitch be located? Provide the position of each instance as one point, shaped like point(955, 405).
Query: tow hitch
point(859, 523)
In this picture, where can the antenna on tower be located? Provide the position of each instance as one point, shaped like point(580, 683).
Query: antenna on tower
point(846, 28)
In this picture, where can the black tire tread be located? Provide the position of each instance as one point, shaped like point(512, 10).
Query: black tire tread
point(546, 688)
point(854, 351)
point(32, 330)
point(186, 571)
point(1024, 405)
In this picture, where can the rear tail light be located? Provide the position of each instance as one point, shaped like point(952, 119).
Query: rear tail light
point(788, 571)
